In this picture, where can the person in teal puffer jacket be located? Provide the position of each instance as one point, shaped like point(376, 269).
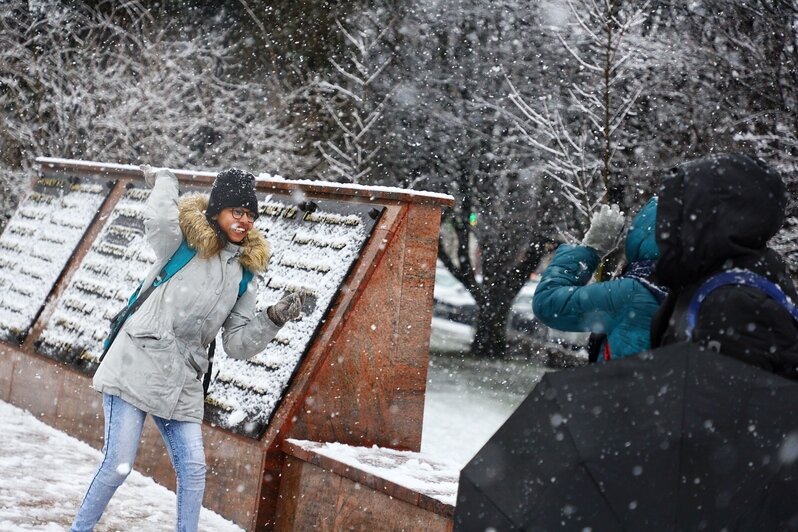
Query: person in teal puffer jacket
point(619, 309)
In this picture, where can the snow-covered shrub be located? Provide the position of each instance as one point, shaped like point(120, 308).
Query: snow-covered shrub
point(85, 81)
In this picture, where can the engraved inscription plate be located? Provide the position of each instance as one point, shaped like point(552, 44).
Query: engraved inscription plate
point(314, 246)
point(112, 269)
point(37, 244)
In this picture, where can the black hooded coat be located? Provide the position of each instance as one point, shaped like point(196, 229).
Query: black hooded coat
point(716, 214)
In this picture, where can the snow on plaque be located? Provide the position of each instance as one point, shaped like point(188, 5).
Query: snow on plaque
point(113, 267)
point(37, 244)
point(314, 245)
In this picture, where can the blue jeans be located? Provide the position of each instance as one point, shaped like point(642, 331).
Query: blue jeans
point(123, 425)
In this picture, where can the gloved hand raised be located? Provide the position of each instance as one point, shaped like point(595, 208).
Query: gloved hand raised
point(149, 174)
point(288, 308)
point(605, 230)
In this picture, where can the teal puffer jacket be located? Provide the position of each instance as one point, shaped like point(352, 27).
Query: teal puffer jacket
point(621, 308)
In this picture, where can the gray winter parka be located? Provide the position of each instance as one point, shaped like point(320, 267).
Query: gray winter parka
point(158, 359)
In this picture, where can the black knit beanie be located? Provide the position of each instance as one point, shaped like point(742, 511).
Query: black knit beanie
point(232, 188)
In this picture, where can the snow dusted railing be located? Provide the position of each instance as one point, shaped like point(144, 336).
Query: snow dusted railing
point(56, 166)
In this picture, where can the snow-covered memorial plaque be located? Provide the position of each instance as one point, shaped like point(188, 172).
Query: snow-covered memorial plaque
point(353, 369)
point(314, 245)
point(37, 244)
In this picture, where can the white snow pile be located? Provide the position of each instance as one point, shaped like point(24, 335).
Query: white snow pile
point(431, 476)
point(44, 474)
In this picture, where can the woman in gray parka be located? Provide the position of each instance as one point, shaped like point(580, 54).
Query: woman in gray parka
point(156, 362)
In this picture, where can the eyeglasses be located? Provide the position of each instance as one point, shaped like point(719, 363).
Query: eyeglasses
point(238, 213)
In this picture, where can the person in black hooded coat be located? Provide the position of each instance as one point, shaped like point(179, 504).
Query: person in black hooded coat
point(716, 214)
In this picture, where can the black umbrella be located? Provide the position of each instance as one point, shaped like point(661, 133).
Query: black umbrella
point(673, 439)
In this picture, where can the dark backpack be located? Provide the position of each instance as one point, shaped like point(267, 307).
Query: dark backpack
point(180, 258)
point(738, 278)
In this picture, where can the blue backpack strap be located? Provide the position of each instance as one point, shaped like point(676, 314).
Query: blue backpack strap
point(246, 277)
point(741, 278)
point(134, 295)
point(180, 258)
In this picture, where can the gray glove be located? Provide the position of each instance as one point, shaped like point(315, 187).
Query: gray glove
point(149, 174)
point(288, 308)
point(605, 229)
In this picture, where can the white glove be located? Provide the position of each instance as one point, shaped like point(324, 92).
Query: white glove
point(149, 174)
point(605, 229)
point(288, 308)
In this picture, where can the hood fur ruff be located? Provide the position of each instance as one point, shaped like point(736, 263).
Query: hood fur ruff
point(255, 249)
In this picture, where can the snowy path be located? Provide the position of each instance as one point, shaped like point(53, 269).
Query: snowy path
point(468, 399)
point(44, 472)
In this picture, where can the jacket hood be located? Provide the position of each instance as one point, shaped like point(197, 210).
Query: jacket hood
point(255, 249)
point(641, 242)
point(713, 212)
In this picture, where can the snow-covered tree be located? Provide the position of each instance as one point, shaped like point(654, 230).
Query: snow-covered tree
point(354, 101)
point(77, 83)
point(443, 131)
point(582, 129)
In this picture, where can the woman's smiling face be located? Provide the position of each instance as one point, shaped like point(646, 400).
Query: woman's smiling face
point(235, 223)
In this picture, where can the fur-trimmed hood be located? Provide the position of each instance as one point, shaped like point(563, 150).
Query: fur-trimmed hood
point(255, 249)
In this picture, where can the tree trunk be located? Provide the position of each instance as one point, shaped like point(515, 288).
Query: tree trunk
point(490, 338)
point(504, 276)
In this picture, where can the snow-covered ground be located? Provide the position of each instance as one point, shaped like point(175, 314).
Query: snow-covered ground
point(468, 399)
point(44, 472)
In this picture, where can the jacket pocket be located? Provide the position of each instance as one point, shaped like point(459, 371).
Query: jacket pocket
point(159, 363)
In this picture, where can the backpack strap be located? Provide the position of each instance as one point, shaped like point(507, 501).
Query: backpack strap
point(740, 278)
point(246, 277)
point(179, 258)
point(594, 343)
point(206, 379)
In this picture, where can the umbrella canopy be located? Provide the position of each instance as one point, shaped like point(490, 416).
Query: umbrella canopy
point(673, 439)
